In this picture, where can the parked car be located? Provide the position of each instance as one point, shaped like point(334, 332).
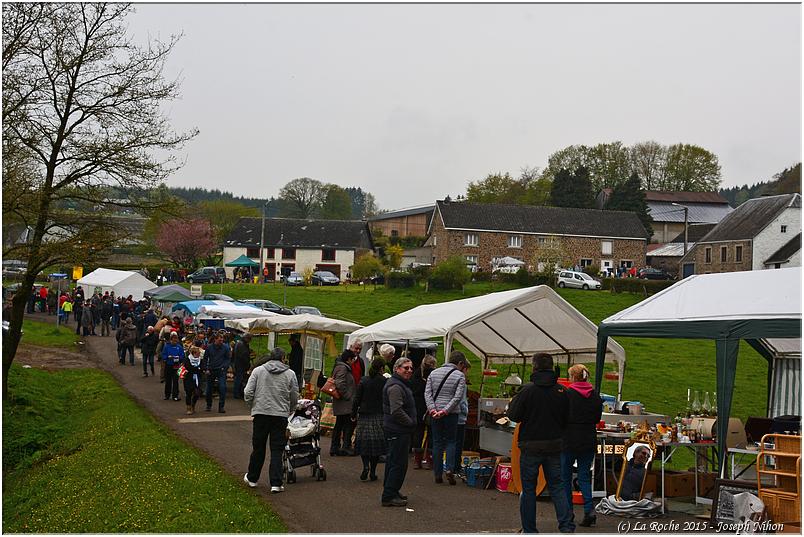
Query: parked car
point(294, 278)
point(267, 305)
point(217, 296)
point(298, 310)
point(577, 280)
point(208, 275)
point(649, 273)
point(325, 277)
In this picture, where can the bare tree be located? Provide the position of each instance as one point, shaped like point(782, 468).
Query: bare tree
point(303, 196)
point(649, 161)
point(84, 127)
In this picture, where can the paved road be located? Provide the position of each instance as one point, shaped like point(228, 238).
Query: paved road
point(343, 503)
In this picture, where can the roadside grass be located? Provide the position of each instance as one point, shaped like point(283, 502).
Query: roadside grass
point(80, 457)
point(47, 335)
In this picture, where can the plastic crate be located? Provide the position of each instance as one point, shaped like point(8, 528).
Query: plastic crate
point(476, 474)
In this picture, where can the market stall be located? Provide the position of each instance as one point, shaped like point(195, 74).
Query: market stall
point(725, 307)
point(121, 282)
point(503, 328)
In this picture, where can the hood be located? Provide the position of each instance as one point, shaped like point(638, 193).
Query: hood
point(276, 367)
point(583, 388)
point(543, 378)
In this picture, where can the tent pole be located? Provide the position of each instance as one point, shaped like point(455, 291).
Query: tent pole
point(727, 350)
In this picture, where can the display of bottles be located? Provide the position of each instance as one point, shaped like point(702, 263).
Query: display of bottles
point(707, 405)
point(688, 408)
point(714, 405)
point(696, 404)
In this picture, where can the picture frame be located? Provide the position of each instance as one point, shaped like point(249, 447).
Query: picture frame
point(722, 507)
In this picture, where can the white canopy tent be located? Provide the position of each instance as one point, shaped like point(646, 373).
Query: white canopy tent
point(296, 323)
point(122, 282)
point(503, 325)
point(784, 379)
point(233, 310)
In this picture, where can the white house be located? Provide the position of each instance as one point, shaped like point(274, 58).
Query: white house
point(297, 244)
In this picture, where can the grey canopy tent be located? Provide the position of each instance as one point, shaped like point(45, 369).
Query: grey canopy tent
point(168, 293)
point(784, 374)
point(726, 307)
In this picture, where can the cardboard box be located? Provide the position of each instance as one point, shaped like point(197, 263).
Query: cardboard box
point(677, 483)
point(706, 484)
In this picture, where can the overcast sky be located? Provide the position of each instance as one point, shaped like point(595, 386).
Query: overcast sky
point(411, 102)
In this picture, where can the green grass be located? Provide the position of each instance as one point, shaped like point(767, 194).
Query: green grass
point(658, 371)
point(47, 335)
point(80, 457)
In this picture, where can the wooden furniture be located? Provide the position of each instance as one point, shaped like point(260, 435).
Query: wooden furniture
point(780, 457)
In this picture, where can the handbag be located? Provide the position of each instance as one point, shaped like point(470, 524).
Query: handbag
point(330, 389)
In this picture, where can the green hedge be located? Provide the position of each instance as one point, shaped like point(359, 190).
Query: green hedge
point(397, 280)
point(635, 285)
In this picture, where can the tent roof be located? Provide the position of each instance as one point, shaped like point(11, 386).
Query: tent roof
point(124, 282)
point(519, 322)
point(730, 296)
point(508, 260)
point(242, 261)
point(232, 310)
point(304, 321)
point(168, 290)
point(192, 306)
point(782, 347)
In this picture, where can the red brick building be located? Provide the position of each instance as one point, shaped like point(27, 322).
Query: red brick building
point(483, 232)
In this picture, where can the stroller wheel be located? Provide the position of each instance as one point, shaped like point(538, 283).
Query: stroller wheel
point(315, 469)
point(291, 476)
point(322, 475)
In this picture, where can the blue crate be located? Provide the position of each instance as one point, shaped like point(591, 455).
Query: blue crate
point(477, 475)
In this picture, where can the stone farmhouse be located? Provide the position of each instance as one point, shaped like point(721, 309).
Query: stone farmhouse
point(296, 244)
point(482, 233)
point(412, 222)
point(762, 233)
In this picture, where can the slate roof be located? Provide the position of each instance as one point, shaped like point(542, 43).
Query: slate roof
point(300, 233)
point(685, 197)
point(665, 211)
point(671, 249)
point(784, 253)
point(544, 220)
point(747, 220)
point(695, 232)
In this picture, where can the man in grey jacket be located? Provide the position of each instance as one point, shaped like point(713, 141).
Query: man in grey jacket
point(272, 393)
point(443, 394)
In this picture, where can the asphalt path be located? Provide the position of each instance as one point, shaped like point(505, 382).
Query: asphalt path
point(342, 503)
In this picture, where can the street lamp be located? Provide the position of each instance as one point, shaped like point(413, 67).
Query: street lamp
point(686, 223)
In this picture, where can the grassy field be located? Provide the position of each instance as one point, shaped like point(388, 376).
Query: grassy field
point(47, 335)
point(658, 371)
point(80, 457)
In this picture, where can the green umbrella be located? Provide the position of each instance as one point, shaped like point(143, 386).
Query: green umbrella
point(242, 261)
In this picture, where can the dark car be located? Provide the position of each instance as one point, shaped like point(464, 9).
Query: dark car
point(324, 277)
point(298, 310)
point(267, 305)
point(649, 273)
point(208, 275)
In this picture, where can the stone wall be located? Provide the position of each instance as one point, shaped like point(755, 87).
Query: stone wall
point(697, 255)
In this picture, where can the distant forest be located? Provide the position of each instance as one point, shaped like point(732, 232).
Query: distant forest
point(787, 181)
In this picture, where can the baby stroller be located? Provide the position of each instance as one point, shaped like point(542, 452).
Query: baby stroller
point(303, 447)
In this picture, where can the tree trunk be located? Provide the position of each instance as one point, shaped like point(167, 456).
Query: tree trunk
point(12, 340)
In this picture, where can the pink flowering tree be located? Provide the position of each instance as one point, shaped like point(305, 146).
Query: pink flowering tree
point(185, 242)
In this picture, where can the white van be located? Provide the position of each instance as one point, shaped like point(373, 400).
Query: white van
point(577, 280)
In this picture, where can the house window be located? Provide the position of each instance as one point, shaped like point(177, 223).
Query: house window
point(707, 255)
point(724, 254)
point(253, 252)
point(288, 253)
point(270, 253)
point(394, 232)
point(738, 254)
point(515, 241)
point(470, 239)
point(586, 262)
point(626, 263)
point(327, 254)
point(784, 229)
point(471, 260)
point(605, 247)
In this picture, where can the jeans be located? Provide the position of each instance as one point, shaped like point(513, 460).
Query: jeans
point(147, 359)
point(191, 390)
point(343, 428)
point(584, 477)
point(529, 468)
point(443, 440)
point(396, 465)
point(130, 350)
point(459, 435)
point(105, 327)
point(171, 382)
point(239, 385)
point(263, 428)
point(220, 375)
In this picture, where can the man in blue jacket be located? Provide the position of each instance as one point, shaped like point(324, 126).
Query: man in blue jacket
point(218, 357)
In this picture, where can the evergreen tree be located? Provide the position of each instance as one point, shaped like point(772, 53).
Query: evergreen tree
point(572, 189)
point(629, 196)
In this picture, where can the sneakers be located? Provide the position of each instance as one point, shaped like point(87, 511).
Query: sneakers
point(221, 411)
point(277, 490)
point(249, 483)
point(396, 502)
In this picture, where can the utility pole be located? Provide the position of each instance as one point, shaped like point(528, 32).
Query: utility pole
point(262, 244)
point(686, 224)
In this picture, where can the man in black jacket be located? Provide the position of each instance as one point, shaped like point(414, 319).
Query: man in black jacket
point(218, 358)
point(541, 409)
point(241, 356)
point(399, 420)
